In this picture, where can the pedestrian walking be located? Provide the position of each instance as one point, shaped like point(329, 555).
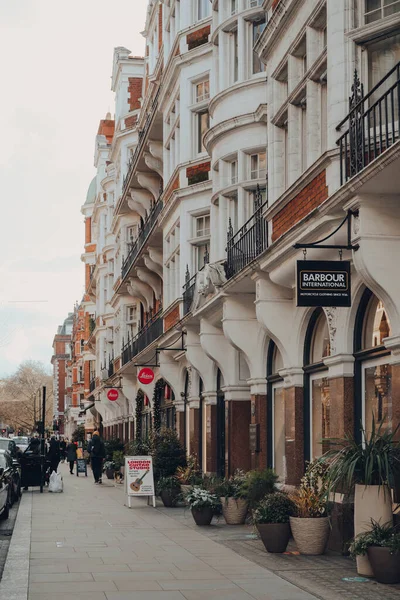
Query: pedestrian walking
point(71, 456)
point(53, 454)
point(97, 453)
point(63, 450)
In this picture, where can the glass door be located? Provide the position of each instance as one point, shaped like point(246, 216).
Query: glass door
point(279, 431)
point(377, 393)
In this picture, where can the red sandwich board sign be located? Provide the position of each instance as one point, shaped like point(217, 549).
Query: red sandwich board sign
point(113, 395)
point(146, 376)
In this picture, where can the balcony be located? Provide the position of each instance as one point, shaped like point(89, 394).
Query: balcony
point(142, 238)
point(249, 242)
point(372, 124)
point(141, 142)
point(146, 336)
point(188, 292)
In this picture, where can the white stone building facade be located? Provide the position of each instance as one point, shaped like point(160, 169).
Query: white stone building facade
point(234, 140)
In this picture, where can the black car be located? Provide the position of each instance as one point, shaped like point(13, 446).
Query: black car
point(12, 471)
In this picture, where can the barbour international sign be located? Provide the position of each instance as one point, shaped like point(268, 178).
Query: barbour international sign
point(323, 283)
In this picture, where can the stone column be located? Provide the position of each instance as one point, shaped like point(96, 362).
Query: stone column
point(180, 420)
point(194, 434)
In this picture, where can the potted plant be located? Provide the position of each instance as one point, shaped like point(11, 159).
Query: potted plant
point(258, 484)
point(203, 505)
point(168, 453)
point(232, 494)
point(310, 522)
point(109, 468)
point(271, 517)
point(382, 545)
point(169, 489)
point(119, 461)
point(370, 468)
point(189, 475)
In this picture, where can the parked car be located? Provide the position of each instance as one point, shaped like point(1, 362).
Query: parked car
point(9, 445)
point(13, 471)
point(5, 484)
point(21, 441)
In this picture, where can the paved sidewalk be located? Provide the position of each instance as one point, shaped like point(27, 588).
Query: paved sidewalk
point(86, 545)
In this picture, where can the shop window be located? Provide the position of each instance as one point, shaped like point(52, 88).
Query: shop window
point(278, 431)
point(318, 400)
point(373, 371)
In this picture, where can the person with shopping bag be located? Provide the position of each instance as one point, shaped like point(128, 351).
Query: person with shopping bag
point(71, 456)
point(97, 453)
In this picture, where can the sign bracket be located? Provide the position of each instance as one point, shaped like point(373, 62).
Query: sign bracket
point(319, 243)
point(158, 350)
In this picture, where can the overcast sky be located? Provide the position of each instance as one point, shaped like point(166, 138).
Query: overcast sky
point(55, 69)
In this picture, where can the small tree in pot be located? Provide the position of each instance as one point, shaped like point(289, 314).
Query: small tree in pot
point(271, 517)
point(232, 493)
point(382, 545)
point(203, 505)
point(310, 524)
point(169, 489)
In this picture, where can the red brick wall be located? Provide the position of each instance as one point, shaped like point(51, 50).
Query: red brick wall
point(135, 92)
point(198, 38)
point(195, 173)
point(131, 121)
point(160, 27)
point(171, 188)
point(88, 230)
point(106, 128)
point(171, 318)
point(275, 4)
point(299, 207)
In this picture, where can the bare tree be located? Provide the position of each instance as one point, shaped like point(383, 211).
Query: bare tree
point(20, 396)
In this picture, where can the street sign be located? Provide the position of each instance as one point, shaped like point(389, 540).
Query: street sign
point(113, 395)
point(139, 478)
point(146, 376)
point(323, 283)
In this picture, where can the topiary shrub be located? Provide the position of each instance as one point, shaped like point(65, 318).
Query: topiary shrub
point(168, 453)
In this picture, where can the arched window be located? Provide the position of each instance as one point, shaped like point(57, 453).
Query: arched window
point(317, 398)
point(373, 370)
point(276, 413)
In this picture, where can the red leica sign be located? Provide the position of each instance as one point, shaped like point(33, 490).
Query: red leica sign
point(113, 395)
point(146, 376)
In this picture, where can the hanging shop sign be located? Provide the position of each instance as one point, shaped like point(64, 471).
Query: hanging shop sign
point(146, 376)
point(323, 283)
point(139, 478)
point(113, 395)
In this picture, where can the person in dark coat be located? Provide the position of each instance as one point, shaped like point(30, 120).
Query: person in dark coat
point(53, 454)
point(63, 449)
point(71, 456)
point(97, 452)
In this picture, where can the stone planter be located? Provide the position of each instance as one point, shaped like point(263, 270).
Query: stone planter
point(311, 535)
point(370, 502)
point(170, 497)
point(202, 516)
point(385, 566)
point(234, 511)
point(274, 536)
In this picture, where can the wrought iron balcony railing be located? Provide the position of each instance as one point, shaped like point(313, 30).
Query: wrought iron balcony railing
point(249, 242)
point(372, 123)
point(142, 138)
point(146, 336)
point(144, 234)
point(188, 291)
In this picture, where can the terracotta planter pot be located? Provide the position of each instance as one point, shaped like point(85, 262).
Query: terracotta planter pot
point(370, 502)
point(274, 536)
point(311, 535)
point(169, 498)
point(385, 566)
point(234, 511)
point(202, 516)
